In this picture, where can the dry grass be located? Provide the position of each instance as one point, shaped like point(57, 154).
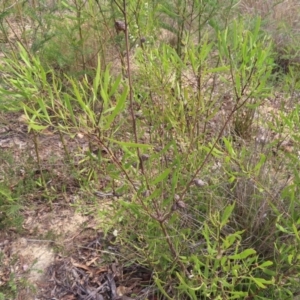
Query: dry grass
point(281, 19)
point(276, 14)
point(277, 10)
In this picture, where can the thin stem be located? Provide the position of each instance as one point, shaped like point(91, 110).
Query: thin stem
point(36, 149)
point(131, 100)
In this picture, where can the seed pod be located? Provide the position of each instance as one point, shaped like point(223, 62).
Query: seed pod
point(181, 204)
point(145, 157)
point(199, 183)
point(120, 26)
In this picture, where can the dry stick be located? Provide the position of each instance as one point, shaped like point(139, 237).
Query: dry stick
point(36, 149)
point(130, 86)
point(17, 38)
point(64, 146)
point(173, 250)
point(9, 7)
point(141, 164)
point(119, 165)
point(158, 217)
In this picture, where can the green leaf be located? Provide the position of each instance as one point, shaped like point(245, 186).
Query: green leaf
point(105, 98)
point(4, 191)
point(219, 69)
point(24, 55)
point(237, 81)
point(66, 99)
point(119, 106)
point(160, 287)
point(187, 285)
point(227, 212)
point(265, 264)
point(106, 79)
point(296, 231)
point(260, 163)
point(228, 146)
point(231, 238)
point(270, 272)
point(214, 24)
point(115, 86)
point(130, 144)
point(282, 229)
point(36, 127)
point(96, 81)
point(44, 108)
point(261, 282)
point(161, 177)
point(244, 254)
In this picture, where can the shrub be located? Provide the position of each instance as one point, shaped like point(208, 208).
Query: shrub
point(175, 133)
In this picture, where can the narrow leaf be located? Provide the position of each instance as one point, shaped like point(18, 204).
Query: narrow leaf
point(119, 106)
point(162, 176)
point(244, 254)
point(130, 144)
point(227, 212)
point(261, 282)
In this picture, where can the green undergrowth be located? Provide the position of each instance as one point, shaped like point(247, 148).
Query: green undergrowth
point(187, 134)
